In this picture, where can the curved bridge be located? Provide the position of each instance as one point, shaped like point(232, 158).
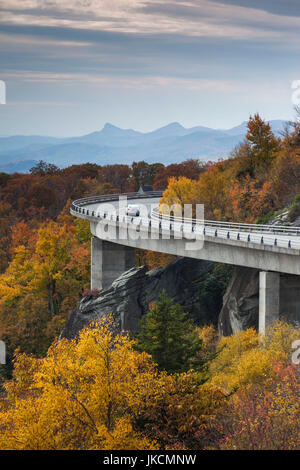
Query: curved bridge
point(271, 249)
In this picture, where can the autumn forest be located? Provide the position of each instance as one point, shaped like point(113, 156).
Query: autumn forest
point(112, 390)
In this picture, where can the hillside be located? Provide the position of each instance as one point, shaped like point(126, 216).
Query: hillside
point(169, 144)
point(235, 392)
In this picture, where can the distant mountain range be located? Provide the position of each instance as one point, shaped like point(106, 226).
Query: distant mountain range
point(169, 144)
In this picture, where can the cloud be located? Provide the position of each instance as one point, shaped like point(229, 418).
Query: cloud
point(40, 103)
point(201, 18)
point(120, 81)
point(118, 55)
point(167, 83)
point(289, 8)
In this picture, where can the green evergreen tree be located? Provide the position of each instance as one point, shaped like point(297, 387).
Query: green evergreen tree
point(170, 337)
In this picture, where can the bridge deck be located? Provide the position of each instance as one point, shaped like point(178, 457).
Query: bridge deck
point(263, 247)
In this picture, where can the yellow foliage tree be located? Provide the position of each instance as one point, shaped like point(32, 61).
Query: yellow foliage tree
point(99, 392)
point(247, 358)
point(179, 192)
point(211, 190)
point(80, 396)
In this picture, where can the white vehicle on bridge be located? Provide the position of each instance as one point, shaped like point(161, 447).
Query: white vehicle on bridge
point(133, 209)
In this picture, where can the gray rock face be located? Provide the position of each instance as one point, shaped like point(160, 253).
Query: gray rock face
point(130, 295)
point(240, 302)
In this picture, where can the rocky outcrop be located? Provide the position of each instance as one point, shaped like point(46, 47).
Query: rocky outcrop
point(130, 295)
point(240, 302)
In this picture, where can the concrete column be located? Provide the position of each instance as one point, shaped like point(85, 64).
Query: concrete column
point(269, 299)
point(108, 261)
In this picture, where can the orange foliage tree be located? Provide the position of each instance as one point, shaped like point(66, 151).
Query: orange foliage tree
point(261, 176)
point(42, 283)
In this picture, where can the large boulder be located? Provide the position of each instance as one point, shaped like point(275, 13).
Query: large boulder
point(130, 295)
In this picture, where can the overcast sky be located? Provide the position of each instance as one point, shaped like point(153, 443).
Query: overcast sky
point(72, 65)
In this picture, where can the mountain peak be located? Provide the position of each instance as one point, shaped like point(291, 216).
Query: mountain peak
point(109, 126)
point(175, 125)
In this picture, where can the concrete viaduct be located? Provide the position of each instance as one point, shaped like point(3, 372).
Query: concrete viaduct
point(274, 250)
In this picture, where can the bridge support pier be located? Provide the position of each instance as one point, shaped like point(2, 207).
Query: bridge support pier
point(269, 299)
point(108, 261)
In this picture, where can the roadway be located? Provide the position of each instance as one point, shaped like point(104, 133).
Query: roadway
point(258, 234)
point(262, 247)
